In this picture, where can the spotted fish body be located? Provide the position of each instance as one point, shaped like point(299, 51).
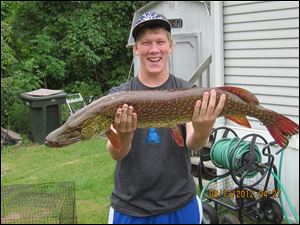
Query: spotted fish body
point(166, 109)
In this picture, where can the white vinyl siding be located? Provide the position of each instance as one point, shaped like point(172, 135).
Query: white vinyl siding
point(261, 53)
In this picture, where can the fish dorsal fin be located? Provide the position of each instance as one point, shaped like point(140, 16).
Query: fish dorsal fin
point(244, 94)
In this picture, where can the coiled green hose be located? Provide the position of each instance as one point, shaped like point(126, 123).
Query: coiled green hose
point(221, 153)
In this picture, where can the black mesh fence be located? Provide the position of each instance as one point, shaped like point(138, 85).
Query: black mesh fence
point(47, 203)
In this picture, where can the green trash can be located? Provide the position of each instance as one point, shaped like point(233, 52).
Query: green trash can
point(45, 111)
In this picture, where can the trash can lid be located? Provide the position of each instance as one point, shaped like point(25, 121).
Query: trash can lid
point(42, 94)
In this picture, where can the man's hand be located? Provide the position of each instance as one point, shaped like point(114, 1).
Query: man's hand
point(126, 120)
point(205, 114)
point(124, 125)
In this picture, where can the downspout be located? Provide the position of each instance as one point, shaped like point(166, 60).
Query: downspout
point(217, 76)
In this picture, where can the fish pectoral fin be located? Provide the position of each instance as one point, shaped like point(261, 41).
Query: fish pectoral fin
point(239, 119)
point(114, 139)
point(177, 136)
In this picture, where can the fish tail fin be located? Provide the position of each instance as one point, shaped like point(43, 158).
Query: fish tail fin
point(282, 129)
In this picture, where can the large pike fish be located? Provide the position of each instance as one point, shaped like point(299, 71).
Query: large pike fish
point(167, 109)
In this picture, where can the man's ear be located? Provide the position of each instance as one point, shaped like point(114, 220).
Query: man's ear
point(135, 50)
point(171, 47)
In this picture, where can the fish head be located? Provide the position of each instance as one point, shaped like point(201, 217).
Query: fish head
point(72, 132)
point(63, 136)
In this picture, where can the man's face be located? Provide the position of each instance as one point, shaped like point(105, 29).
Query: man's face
point(153, 47)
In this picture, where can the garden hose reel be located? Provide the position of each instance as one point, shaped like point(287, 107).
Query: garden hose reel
point(241, 156)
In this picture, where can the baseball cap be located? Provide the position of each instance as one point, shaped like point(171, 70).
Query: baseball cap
point(150, 19)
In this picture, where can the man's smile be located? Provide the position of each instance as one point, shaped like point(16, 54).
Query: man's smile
point(154, 59)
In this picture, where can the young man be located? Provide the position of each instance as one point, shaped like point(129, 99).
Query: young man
point(153, 180)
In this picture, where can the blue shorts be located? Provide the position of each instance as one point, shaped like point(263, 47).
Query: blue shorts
point(188, 214)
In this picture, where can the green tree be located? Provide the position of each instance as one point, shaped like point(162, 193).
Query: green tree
point(77, 46)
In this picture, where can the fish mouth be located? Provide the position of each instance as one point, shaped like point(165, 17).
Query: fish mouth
point(52, 144)
point(59, 144)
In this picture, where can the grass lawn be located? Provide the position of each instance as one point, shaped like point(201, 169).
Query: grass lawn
point(88, 164)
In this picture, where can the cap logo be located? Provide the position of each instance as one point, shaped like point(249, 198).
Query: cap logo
point(150, 18)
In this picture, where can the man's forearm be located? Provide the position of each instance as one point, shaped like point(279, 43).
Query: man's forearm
point(125, 142)
point(196, 142)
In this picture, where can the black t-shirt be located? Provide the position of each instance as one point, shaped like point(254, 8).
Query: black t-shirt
point(155, 177)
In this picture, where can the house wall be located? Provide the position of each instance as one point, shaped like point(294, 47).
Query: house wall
point(261, 54)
